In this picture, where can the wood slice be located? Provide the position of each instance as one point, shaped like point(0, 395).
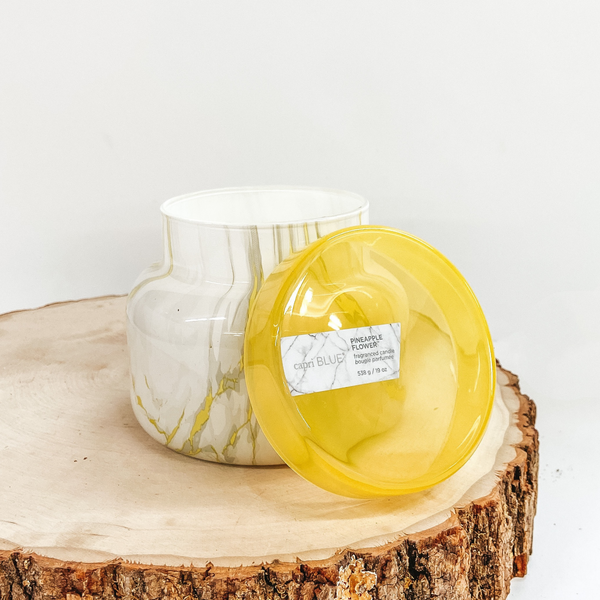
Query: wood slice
point(92, 507)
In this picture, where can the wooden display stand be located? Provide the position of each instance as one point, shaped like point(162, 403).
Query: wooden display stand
point(92, 507)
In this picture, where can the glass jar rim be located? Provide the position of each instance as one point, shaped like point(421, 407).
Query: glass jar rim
point(356, 205)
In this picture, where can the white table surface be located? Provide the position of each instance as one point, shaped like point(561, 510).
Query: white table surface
point(563, 381)
point(565, 548)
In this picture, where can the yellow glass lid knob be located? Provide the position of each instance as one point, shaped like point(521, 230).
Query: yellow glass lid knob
point(369, 363)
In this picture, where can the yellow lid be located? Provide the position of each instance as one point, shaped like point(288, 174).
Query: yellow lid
point(369, 363)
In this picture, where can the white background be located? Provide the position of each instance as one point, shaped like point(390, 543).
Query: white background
point(474, 125)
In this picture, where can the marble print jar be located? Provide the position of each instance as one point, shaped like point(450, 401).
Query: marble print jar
point(186, 315)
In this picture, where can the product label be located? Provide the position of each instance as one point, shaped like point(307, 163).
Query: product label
point(337, 359)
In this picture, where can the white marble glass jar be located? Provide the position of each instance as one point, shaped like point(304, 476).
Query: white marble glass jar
point(186, 315)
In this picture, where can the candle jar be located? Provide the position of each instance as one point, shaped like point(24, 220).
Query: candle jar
point(186, 316)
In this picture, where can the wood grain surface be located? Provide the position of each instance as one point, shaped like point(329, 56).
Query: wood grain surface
point(92, 507)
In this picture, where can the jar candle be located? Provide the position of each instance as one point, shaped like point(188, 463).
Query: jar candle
point(186, 316)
